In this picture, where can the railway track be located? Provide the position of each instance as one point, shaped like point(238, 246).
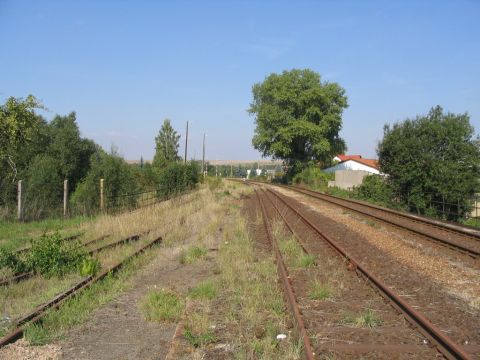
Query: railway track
point(433, 335)
point(24, 276)
point(461, 239)
point(37, 314)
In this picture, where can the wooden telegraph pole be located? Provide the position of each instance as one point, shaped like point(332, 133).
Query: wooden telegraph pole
point(186, 143)
point(102, 204)
point(203, 158)
point(19, 200)
point(65, 197)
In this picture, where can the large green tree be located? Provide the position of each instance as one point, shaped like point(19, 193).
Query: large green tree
point(432, 162)
point(298, 118)
point(18, 123)
point(166, 149)
point(71, 151)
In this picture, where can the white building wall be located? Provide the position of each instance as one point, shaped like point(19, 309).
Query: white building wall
point(351, 165)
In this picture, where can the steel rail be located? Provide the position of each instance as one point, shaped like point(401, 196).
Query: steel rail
point(444, 344)
point(287, 286)
point(444, 225)
point(37, 314)
point(26, 275)
point(452, 245)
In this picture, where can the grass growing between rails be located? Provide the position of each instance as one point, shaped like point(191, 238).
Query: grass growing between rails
point(20, 298)
point(76, 310)
point(241, 306)
point(367, 319)
point(293, 253)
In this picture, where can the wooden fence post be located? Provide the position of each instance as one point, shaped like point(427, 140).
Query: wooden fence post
point(19, 200)
point(102, 204)
point(65, 197)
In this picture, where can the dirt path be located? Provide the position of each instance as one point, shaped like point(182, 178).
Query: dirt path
point(118, 330)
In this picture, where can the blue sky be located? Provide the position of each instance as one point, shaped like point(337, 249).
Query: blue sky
point(125, 66)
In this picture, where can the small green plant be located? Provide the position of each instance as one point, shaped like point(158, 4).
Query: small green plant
point(367, 319)
point(162, 305)
point(9, 259)
point(306, 261)
point(319, 291)
point(37, 335)
point(204, 290)
point(200, 339)
point(192, 254)
point(51, 255)
point(89, 267)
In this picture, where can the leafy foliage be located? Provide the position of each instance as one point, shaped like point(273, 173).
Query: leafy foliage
point(175, 178)
point(89, 267)
point(52, 255)
point(119, 181)
point(166, 145)
point(298, 118)
point(43, 187)
point(314, 178)
point(432, 160)
point(49, 255)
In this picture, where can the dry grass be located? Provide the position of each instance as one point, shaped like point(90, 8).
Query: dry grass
point(253, 310)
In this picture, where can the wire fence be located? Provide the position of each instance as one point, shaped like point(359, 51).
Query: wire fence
point(23, 202)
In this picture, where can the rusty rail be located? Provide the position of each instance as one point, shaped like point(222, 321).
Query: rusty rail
point(41, 310)
point(26, 275)
point(287, 287)
point(444, 344)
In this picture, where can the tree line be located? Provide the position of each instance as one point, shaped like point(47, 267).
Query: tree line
point(42, 154)
point(430, 163)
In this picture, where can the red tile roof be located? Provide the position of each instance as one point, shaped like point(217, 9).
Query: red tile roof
point(344, 157)
point(368, 162)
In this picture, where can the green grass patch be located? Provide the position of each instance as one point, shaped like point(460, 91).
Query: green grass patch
point(306, 261)
point(367, 319)
point(199, 339)
point(472, 222)
point(204, 290)
point(14, 234)
point(162, 305)
point(319, 291)
point(77, 309)
point(192, 254)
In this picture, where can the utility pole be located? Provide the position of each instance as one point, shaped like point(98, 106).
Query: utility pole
point(203, 158)
point(186, 143)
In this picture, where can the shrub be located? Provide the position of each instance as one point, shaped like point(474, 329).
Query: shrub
point(119, 183)
point(375, 189)
point(9, 259)
point(314, 178)
point(176, 178)
point(43, 188)
point(51, 255)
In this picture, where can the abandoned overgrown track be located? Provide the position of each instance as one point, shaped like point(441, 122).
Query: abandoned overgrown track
point(435, 336)
point(23, 276)
point(37, 314)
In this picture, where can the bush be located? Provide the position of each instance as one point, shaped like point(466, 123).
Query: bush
point(314, 178)
point(176, 178)
point(119, 182)
point(43, 188)
point(375, 189)
point(51, 255)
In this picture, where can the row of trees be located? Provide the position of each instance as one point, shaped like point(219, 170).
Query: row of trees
point(430, 162)
point(42, 154)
